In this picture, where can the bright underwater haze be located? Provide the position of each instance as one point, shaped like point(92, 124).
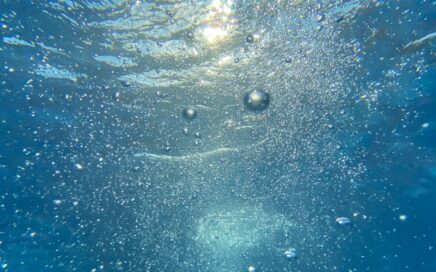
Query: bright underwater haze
point(221, 135)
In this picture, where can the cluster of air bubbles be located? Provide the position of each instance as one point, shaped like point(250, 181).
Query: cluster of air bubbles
point(257, 100)
point(290, 254)
point(167, 147)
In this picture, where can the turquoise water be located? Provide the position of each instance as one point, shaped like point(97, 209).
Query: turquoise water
point(217, 135)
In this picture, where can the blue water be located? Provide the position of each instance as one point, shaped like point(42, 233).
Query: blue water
point(101, 171)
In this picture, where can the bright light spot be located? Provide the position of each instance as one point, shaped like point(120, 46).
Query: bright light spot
point(214, 34)
point(221, 6)
point(403, 217)
point(211, 72)
point(218, 20)
point(224, 60)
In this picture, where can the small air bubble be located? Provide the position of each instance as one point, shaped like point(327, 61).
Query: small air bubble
point(189, 113)
point(290, 253)
point(251, 268)
point(319, 17)
point(343, 220)
point(249, 38)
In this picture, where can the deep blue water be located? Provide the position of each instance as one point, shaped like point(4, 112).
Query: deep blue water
point(100, 170)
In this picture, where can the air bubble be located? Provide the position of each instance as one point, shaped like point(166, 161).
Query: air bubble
point(257, 100)
point(125, 83)
point(319, 17)
point(249, 38)
point(343, 220)
point(189, 113)
point(116, 95)
point(290, 253)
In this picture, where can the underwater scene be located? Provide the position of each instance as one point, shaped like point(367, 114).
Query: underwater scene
point(217, 135)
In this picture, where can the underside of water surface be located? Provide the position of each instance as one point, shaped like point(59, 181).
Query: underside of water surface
point(217, 135)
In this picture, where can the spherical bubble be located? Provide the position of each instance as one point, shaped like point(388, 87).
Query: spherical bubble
point(288, 59)
point(251, 268)
point(189, 113)
point(249, 38)
point(257, 100)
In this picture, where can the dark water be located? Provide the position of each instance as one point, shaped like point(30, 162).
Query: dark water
point(100, 170)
